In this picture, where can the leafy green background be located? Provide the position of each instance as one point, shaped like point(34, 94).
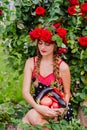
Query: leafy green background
point(18, 18)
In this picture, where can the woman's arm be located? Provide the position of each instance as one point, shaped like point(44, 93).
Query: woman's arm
point(27, 82)
point(66, 77)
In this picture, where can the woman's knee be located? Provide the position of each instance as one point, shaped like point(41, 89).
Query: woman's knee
point(25, 119)
point(35, 118)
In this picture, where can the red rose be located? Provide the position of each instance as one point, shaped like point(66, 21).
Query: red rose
point(57, 25)
point(35, 34)
point(61, 32)
point(83, 41)
point(72, 10)
point(40, 11)
point(0, 12)
point(62, 50)
point(46, 36)
point(74, 2)
point(84, 7)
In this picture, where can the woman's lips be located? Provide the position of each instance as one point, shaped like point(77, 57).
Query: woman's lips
point(43, 51)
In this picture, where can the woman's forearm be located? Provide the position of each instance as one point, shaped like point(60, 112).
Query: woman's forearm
point(67, 97)
point(28, 97)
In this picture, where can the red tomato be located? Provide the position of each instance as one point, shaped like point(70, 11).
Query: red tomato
point(62, 94)
point(55, 105)
point(46, 101)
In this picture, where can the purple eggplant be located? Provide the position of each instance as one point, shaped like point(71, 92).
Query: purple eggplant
point(43, 93)
point(59, 99)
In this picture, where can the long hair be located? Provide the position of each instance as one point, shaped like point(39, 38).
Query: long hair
point(55, 64)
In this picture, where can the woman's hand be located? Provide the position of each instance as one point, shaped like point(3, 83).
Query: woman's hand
point(46, 111)
point(61, 111)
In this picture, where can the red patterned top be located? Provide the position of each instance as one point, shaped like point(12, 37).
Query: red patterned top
point(47, 80)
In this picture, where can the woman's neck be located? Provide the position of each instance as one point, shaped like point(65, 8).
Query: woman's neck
point(47, 58)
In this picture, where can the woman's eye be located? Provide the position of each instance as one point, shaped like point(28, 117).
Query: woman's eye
point(40, 43)
point(47, 44)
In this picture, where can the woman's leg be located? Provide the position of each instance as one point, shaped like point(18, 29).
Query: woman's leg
point(34, 118)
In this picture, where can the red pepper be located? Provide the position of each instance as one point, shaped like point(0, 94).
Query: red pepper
point(60, 93)
point(53, 99)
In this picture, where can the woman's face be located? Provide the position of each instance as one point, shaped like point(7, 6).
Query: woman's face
point(45, 48)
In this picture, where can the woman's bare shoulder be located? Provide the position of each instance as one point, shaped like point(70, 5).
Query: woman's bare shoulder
point(64, 66)
point(30, 62)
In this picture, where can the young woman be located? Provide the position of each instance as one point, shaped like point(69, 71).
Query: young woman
point(45, 68)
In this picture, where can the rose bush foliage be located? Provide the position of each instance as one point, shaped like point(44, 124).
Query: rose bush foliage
point(19, 17)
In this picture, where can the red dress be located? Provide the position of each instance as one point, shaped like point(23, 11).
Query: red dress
point(44, 82)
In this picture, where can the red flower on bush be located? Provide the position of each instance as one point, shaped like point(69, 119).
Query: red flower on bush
point(40, 11)
point(41, 34)
point(83, 41)
point(61, 32)
point(84, 7)
point(62, 50)
point(57, 25)
point(74, 2)
point(0, 12)
point(71, 10)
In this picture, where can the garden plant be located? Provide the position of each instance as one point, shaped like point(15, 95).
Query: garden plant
point(17, 19)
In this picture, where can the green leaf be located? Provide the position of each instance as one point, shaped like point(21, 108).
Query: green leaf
point(35, 1)
point(1, 29)
point(2, 126)
point(74, 50)
point(58, 40)
point(55, 127)
point(84, 32)
point(54, 18)
point(20, 25)
point(85, 67)
point(11, 111)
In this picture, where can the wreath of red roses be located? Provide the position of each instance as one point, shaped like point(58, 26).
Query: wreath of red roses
point(41, 34)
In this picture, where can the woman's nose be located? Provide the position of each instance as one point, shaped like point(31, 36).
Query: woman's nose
point(43, 45)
